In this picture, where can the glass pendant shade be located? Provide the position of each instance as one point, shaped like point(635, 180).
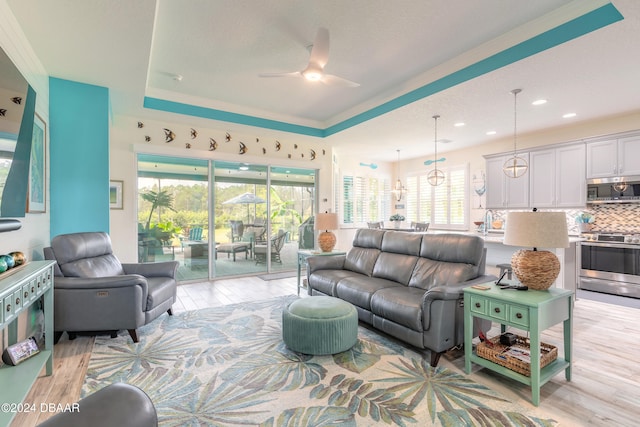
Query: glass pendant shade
point(399, 189)
point(515, 166)
point(435, 177)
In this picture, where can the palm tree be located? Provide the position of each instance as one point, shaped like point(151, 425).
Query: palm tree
point(160, 199)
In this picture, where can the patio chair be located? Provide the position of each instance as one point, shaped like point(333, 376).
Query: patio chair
point(237, 229)
point(277, 243)
point(195, 236)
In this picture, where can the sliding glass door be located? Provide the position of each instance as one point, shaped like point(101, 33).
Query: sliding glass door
point(220, 218)
point(173, 213)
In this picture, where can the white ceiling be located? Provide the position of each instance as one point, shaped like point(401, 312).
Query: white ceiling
point(219, 47)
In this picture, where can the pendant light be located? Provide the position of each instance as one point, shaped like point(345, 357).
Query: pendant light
point(515, 166)
point(436, 176)
point(399, 189)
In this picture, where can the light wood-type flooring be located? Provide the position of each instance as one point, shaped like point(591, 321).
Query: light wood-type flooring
point(604, 391)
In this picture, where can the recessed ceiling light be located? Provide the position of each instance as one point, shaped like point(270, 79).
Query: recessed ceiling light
point(539, 102)
point(459, 124)
point(491, 132)
point(244, 168)
point(568, 115)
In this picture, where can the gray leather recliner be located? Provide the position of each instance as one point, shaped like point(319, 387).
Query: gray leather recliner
point(94, 292)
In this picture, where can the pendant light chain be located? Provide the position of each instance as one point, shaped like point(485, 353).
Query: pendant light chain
point(436, 176)
point(515, 166)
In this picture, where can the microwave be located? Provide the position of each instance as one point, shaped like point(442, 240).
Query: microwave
point(619, 189)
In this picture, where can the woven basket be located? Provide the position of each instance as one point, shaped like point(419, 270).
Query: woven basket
point(495, 353)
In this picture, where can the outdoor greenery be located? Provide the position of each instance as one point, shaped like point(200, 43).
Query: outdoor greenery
point(177, 208)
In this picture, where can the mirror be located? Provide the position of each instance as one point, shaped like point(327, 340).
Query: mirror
point(17, 108)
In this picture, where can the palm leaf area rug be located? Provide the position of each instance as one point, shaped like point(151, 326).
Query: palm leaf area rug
point(228, 366)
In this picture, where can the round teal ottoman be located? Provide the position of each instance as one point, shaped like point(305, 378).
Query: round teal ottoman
point(320, 325)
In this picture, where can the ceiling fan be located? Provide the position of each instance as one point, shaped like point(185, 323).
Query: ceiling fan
point(317, 60)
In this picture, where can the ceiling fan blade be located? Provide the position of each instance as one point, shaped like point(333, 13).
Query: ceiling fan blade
point(320, 50)
point(330, 79)
point(293, 74)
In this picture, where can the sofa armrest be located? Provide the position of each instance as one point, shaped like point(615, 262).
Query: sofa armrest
point(452, 292)
point(322, 262)
point(152, 269)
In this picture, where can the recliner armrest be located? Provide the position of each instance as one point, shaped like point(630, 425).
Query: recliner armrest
point(152, 269)
point(100, 282)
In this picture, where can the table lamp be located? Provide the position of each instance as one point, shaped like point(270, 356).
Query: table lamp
point(536, 269)
point(326, 239)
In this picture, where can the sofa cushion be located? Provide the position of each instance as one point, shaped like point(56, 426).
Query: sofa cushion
point(401, 242)
point(366, 248)
point(429, 273)
point(402, 305)
point(359, 289)
point(396, 267)
point(325, 281)
point(456, 248)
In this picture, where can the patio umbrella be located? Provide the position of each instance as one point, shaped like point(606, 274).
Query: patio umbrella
point(245, 199)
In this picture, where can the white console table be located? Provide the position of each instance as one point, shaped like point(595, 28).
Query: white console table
point(21, 287)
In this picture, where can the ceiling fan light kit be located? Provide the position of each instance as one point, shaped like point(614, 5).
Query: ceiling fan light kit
point(399, 189)
point(318, 59)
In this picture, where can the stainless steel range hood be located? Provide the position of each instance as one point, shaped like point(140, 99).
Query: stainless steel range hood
point(618, 189)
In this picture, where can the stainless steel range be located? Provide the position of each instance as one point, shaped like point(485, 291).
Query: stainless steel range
point(610, 263)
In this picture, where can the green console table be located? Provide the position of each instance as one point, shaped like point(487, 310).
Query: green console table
point(21, 287)
point(532, 311)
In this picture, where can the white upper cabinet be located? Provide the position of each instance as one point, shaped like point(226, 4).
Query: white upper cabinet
point(504, 192)
point(614, 157)
point(558, 177)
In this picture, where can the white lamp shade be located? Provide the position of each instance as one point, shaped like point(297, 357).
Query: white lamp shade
point(537, 230)
point(326, 221)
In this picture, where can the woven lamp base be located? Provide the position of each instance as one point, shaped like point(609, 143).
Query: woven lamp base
point(535, 269)
point(326, 241)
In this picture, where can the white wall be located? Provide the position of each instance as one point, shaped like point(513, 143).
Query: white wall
point(127, 139)
point(34, 234)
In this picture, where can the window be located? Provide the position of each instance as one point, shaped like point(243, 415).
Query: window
point(365, 199)
point(444, 206)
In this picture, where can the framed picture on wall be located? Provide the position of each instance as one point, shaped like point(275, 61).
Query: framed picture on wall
point(36, 202)
point(115, 194)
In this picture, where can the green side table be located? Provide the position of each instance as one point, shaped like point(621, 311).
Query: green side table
point(303, 254)
point(532, 311)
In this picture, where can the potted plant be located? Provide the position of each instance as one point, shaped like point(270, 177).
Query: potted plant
point(396, 219)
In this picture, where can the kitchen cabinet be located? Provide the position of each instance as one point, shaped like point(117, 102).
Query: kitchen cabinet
point(504, 192)
point(557, 177)
point(613, 157)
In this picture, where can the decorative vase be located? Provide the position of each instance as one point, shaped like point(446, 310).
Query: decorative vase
point(585, 227)
point(396, 224)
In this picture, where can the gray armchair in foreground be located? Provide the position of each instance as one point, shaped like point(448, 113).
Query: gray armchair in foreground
point(94, 292)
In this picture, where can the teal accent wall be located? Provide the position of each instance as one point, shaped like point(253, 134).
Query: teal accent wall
point(79, 157)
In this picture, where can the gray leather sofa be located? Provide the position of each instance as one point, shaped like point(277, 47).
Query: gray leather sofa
point(94, 292)
point(409, 285)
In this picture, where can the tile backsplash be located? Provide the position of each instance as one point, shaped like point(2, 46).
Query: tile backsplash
point(618, 217)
